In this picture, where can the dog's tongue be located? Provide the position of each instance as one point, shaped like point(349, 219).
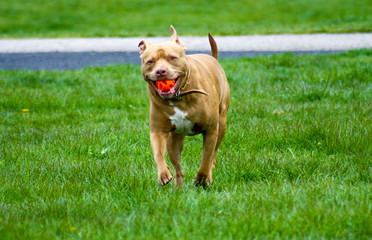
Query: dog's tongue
point(165, 85)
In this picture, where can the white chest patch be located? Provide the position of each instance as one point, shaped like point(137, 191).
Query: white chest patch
point(183, 125)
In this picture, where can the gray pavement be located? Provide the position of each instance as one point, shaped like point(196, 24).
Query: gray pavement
point(62, 54)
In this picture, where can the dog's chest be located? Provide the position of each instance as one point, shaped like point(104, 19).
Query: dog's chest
point(181, 123)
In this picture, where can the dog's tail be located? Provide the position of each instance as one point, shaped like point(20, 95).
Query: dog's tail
point(213, 46)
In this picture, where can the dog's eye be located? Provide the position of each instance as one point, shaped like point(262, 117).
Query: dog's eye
point(173, 58)
point(150, 62)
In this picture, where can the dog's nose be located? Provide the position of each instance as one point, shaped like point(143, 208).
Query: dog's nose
point(161, 72)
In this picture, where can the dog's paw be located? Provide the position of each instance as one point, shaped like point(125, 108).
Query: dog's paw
point(178, 179)
point(202, 180)
point(164, 177)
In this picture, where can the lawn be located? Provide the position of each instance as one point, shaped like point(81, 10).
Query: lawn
point(76, 162)
point(117, 18)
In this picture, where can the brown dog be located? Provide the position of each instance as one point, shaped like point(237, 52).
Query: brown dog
point(196, 101)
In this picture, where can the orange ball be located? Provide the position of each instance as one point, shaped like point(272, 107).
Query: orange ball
point(165, 85)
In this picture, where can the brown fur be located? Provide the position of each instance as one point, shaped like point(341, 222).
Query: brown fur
point(206, 113)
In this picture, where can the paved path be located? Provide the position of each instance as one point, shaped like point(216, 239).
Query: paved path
point(76, 53)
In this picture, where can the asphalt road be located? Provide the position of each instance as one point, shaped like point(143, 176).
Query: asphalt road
point(76, 60)
point(63, 54)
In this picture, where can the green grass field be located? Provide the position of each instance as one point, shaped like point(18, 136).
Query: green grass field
point(117, 18)
point(76, 162)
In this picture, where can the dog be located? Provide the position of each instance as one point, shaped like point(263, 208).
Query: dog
point(189, 95)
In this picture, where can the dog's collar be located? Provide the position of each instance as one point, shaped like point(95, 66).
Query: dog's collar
point(181, 92)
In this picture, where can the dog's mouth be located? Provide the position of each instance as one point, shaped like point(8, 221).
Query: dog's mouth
point(166, 88)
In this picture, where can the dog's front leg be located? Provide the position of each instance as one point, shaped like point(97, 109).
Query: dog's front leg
point(204, 175)
point(158, 144)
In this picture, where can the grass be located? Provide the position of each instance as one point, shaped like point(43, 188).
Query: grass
point(116, 18)
point(295, 163)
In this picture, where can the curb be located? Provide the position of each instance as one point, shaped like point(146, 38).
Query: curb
point(259, 43)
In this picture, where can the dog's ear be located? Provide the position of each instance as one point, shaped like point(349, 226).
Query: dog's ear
point(174, 37)
point(143, 45)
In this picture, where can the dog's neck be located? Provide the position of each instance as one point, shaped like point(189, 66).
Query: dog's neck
point(181, 92)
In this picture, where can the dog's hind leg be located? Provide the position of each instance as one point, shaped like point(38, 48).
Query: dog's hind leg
point(221, 134)
point(222, 122)
point(174, 148)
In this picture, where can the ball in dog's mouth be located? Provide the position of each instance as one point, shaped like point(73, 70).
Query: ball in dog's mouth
point(165, 85)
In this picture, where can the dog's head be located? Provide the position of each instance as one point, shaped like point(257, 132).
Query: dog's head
point(166, 61)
